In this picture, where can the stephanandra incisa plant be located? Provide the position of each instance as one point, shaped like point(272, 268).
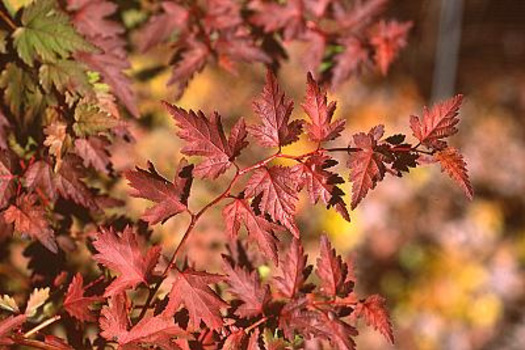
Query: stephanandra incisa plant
point(237, 309)
point(62, 67)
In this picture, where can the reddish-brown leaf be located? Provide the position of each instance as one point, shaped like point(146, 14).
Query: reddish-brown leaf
point(191, 289)
point(29, 218)
point(234, 340)
point(454, 165)
point(190, 60)
point(9, 324)
point(160, 26)
point(316, 106)
point(274, 17)
point(437, 123)
point(259, 229)
point(238, 46)
point(170, 198)
point(122, 254)
point(156, 331)
point(366, 165)
point(293, 271)
point(253, 342)
point(246, 286)
point(205, 137)
point(93, 151)
point(90, 19)
point(350, 61)
point(76, 303)
point(68, 183)
point(274, 109)
point(114, 321)
point(373, 310)
point(7, 185)
point(332, 271)
point(388, 39)
point(40, 175)
point(321, 183)
point(279, 194)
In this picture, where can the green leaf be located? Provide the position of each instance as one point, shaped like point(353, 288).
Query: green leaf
point(21, 94)
point(64, 76)
point(90, 120)
point(47, 34)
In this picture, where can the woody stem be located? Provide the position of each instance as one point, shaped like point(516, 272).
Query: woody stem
point(7, 20)
point(256, 324)
point(42, 326)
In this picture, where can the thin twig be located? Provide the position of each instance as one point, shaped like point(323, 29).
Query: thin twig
point(8, 20)
point(256, 324)
point(189, 229)
point(42, 326)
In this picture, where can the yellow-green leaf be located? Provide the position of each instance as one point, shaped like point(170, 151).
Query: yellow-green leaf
point(36, 299)
point(46, 34)
point(90, 120)
point(9, 304)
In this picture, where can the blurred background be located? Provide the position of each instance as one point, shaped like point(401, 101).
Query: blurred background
point(451, 270)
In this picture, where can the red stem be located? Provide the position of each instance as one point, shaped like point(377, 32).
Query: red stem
point(226, 194)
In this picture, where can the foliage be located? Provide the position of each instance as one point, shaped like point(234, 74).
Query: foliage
point(62, 83)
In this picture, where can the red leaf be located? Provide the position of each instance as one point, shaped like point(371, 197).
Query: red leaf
point(332, 271)
point(253, 343)
point(322, 184)
point(454, 165)
point(122, 254)
point(348, 62)
point(157, 331)
point(9, 324)
point(223, 14)
point(90, 20)
point(114, 324)
point(317, 324)
point(29, 218)
point(366, 165)
point(160, 26)
point(114, 320)
point(69, 186)
point(274, 109)
point(259, 229)
point(437, 123)
point(234, 340)
point(240, 46)
point(337, 332)
point(274, 17)
point(388, 39)
point(170, 198)
point(246, 286)
point(93, 151)
point(7, 185)
point(191, 60)
point(191, 290)
point(89, 17)
point(292, 270)
point(205, 137)
point(278, 196)
point(374, 311)
point(78, 305)
point(40, 175)
point(321, 128)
